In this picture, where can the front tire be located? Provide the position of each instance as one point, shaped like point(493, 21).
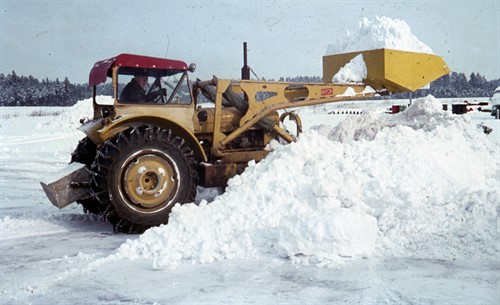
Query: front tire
point(142, 173)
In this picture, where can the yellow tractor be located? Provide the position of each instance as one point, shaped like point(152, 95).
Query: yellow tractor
point(151, 150)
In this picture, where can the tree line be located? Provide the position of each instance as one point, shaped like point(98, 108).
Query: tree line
point(457, 85)
point(29, 91)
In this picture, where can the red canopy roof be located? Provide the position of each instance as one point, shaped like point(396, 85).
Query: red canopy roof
point(102, 69)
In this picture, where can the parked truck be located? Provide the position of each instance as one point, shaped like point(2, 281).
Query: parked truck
point(140, 158)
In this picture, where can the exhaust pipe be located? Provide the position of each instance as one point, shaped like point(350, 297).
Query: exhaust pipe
point(245, 70)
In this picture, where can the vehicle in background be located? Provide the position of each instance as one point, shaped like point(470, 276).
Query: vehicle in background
point(495, 103)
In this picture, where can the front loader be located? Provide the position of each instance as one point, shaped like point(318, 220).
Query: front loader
point(138, 159)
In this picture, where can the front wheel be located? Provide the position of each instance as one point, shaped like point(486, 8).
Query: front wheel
point(143, 172)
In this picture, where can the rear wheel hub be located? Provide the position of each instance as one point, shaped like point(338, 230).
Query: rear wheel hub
point(149, 180)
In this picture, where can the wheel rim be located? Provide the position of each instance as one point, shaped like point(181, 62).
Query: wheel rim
point(149, 181)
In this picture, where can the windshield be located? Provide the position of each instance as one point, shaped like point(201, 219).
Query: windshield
point(143, 86)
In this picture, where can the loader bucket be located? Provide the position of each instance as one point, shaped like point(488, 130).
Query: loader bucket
point(72, 185)
point(394, 70)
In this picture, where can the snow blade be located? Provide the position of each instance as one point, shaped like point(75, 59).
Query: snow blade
point(74, 185)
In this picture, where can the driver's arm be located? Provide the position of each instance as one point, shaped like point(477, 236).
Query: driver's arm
point(151, 96)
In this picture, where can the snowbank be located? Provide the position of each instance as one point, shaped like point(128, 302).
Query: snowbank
point(71, 116)
point(422, 183)
point(383, 32)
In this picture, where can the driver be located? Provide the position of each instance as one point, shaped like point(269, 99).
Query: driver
point(135, 92)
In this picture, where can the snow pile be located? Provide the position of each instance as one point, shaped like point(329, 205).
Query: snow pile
point(325, 235)
point(422, 183)
point(354, 71)
point(71, 116)
point(383, 32)
point(369, 124)
point(435, 191)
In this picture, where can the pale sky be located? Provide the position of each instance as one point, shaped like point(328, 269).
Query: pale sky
point(56, 38)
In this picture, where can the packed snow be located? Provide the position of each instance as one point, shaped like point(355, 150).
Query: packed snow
point(354, 71)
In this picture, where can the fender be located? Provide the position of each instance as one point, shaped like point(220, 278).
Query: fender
point(110, 129)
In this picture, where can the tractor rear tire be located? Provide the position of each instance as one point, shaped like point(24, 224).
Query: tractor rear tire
point(141, 173)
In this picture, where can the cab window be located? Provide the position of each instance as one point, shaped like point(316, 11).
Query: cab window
point(143, 86)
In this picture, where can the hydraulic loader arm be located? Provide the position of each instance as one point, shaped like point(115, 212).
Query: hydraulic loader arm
point(281, 96)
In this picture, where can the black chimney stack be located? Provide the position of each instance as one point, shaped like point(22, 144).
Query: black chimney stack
point(245, 70)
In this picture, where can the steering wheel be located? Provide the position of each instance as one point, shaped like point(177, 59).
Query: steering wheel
point(155, 92)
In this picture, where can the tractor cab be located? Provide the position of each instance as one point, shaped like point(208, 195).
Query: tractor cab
point(142, 80)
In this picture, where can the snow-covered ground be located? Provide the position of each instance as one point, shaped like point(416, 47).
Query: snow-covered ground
point(369, 208)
